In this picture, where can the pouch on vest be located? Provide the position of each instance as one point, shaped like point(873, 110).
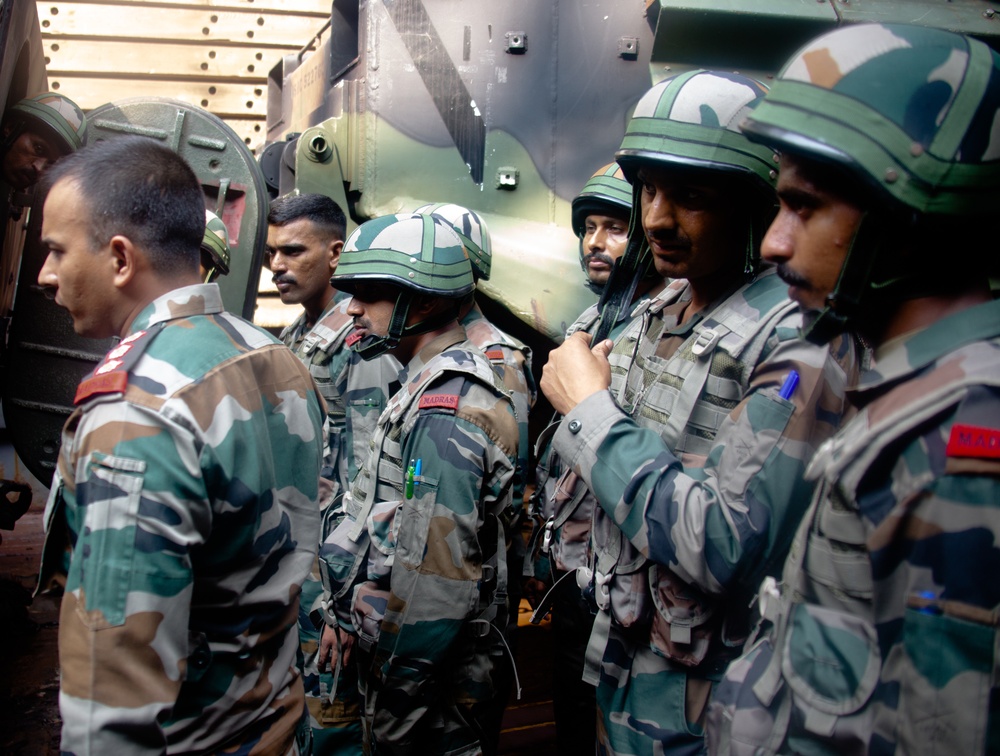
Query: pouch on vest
point(682, 627)
point(620, 575)
point(367, 610)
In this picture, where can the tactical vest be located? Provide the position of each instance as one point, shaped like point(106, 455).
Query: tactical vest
point(357, 528)
point(560, 497)
point(829, 557)
point(684, 399)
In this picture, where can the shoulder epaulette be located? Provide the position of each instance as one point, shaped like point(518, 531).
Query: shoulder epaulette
point(111, 374)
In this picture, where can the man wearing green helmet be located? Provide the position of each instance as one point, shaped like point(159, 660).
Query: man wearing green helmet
point(36, 132)
point(600, 214)
point(882, 635)
point(512, 359)
point(696, 455)
point(414, 559)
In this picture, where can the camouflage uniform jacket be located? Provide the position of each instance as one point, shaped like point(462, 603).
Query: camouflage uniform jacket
point(698, 461)
point(322, 349)
point(182, 522)
point(885, 626)
point(419, 571)
point(512, 359)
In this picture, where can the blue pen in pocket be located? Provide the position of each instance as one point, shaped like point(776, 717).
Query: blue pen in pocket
point(788, 387)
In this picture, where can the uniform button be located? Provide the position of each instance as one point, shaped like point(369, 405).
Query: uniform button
point(574, 426)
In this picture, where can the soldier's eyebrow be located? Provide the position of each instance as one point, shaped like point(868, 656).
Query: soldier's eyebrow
point(286, 248)
point(796, 197)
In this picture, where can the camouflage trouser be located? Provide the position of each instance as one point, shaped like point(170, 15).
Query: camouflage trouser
point(335, 721)
point(643, 704)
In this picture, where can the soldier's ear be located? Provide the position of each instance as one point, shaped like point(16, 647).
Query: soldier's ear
point(336, 247)
point(124, 259)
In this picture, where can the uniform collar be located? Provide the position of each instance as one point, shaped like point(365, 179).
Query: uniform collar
point(185, 302)
point(911, 353)
point(431, 350)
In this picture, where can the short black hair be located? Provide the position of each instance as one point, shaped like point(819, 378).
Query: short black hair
point(141, 189)
point(317, 208)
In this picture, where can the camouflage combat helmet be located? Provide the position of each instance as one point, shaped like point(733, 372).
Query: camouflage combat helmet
point(691, 121)
point(908, 111)
point(606, 189)
point(215, 243)
point(52, 115)
point(419, 254)
point(471, 230)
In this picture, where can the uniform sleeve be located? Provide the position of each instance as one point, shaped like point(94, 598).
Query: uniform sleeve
point(123, 640)
point(436, 572)
point(718, 519)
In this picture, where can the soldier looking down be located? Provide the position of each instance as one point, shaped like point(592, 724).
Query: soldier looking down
point(416, 561)
point(304, 241)
point(882, 634)
point(512, 359)
point(182, 518)
point(694, 437)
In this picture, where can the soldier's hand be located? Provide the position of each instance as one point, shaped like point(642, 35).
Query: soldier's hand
point(576, 371)
point(330, 651)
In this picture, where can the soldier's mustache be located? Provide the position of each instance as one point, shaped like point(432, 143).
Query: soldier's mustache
point(283, 278)
point(792, 278)
point(667, 239)
point(599, 257)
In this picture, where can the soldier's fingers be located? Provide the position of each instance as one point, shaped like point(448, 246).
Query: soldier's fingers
point(602, 350)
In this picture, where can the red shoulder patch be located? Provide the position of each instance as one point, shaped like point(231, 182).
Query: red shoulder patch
point(352, 338)
point(494, 354)
point(107, 383)
point(973, 441)
point(438, 401)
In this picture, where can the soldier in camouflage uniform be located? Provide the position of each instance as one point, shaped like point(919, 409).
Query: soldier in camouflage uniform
point(882, 636)
point(305, 237)
point(183, 512)
point(600, 217)
point(512, 359)
point(416, 565)
point(696, 453)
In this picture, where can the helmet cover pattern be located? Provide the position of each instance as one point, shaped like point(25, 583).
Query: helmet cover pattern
point(913, 111)
point(471, 230)
point(54, 115)
point(216, 242)
point(606, 190)
point(692, 120)
point(419, 252)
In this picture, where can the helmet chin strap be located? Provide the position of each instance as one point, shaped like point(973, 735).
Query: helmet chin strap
point(845, 303)
point(616, 298)
point(372, 346)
